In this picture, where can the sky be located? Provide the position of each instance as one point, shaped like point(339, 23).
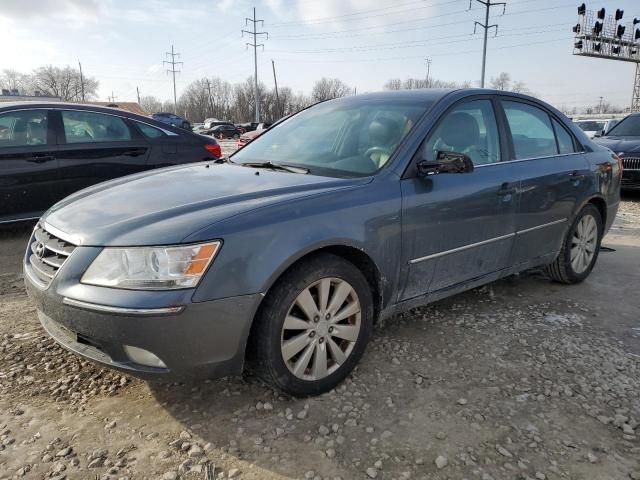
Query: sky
point(362, 42)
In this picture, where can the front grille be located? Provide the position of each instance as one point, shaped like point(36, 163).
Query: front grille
point(47, 254)
point(631, 163)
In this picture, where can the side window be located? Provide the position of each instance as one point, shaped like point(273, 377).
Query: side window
point(531, 131)
point(149, 131)
point(565, 140)
point(23, 128)
point(469, 128)
point(86, 127)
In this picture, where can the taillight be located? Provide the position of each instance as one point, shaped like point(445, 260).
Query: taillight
point(214, 149)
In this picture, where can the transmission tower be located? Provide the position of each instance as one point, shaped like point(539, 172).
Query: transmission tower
point(255, 46)
point(173, 71)
point(487, 5)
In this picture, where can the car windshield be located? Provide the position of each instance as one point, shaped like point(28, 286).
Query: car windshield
point(628, 127)
point(591, 125)
point(339, 138)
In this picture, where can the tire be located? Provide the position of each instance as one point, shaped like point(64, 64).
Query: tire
point(563, 270)
point(186, 125)
point(268, 344)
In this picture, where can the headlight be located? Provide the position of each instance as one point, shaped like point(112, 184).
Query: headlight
point(151, 268)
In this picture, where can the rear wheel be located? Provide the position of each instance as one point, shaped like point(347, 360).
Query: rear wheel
point(313, 327)
point(580, 248)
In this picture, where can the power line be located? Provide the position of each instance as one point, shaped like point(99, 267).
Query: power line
point(255, 46)
point(487, 5)
point(173, 71)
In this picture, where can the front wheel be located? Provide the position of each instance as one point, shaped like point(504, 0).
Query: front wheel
point(579, 249)
point(313, 327)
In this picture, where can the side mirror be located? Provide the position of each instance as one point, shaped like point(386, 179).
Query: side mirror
point(446, 162)
point(599, 134)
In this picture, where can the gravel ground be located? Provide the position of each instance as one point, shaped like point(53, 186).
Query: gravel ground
point(520, 379)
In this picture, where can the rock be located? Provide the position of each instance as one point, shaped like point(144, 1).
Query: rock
point(302, 414)
point(635, 475)
point(195, 451)
point(462, 401)
point(110, 425)
point(323, 430)
point(592, 458)
point(503, 451)
point(441, 436)
point(441, 462)
point(233, 473)
point(64, 452)
point(170, 475)
point(96, 462)
point(541, 476)
point(626, 428)
point(372, 472)
point(386, 435)
point(330, 453)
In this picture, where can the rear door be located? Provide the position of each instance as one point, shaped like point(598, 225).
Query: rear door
point(95, 147)
point(29, 171)
point(553, 173)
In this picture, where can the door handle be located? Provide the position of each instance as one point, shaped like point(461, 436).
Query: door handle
point(506, 189)
point(40, 158)
point(576, 175)
point(136, 152)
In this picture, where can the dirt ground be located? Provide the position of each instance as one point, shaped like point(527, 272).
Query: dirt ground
point(520, 379)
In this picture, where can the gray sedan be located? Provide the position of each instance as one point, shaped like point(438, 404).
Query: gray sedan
point(286, 254)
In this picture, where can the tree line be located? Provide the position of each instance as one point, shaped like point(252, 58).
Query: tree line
point(63, 82)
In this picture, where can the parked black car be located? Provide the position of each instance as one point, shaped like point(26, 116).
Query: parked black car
point(50, 150)
point(225, 131)
point(624, 139)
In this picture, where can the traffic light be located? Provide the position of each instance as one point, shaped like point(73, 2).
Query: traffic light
point(597, 28)
point(578, 45)
point(620, 31)
point(576, 28)
point(619, 14)
point(601, 13)
point(582, 9)
point(637, 35)
point(616, 49)
point(597, 47)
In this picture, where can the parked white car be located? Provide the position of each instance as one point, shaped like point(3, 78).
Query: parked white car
point(596, 127)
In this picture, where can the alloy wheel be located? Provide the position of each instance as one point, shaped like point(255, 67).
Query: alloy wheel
point(321, 329)
point(584, 243)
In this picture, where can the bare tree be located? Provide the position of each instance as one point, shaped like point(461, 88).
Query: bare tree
point(63, 82)
point(502, 82)
point(414, 83)
point(328, 88)
point(151, 104)
point(14, 80)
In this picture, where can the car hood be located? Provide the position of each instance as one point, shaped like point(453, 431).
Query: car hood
point(165, 206)
point(620, 144)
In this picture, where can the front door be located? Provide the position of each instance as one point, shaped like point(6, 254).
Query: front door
point(95, 147)
point(28, 165)
point(459, 226)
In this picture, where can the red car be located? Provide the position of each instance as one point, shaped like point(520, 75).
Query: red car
point(247, 137)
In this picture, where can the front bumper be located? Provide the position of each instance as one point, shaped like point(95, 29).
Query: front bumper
point(192, 339)
point(630, 180)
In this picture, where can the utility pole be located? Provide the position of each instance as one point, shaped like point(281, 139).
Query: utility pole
point(487, 4)
point(112, 98)
point(138, 93)
point(255, 46)
point(275, 81)
point(81, 80)
point(428, 70)
point(173, 71)
point(600, 105)
point(210, 98)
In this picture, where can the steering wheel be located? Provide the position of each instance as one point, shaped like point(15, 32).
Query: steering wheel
point(377, 150)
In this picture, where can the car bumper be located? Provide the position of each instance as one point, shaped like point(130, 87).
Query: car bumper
point(191, 340)
point(630, 180)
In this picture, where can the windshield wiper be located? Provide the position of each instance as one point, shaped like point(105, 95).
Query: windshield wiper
point(276, 166)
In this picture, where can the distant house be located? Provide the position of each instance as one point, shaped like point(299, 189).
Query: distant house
point(14, 95)
point(132, 107)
